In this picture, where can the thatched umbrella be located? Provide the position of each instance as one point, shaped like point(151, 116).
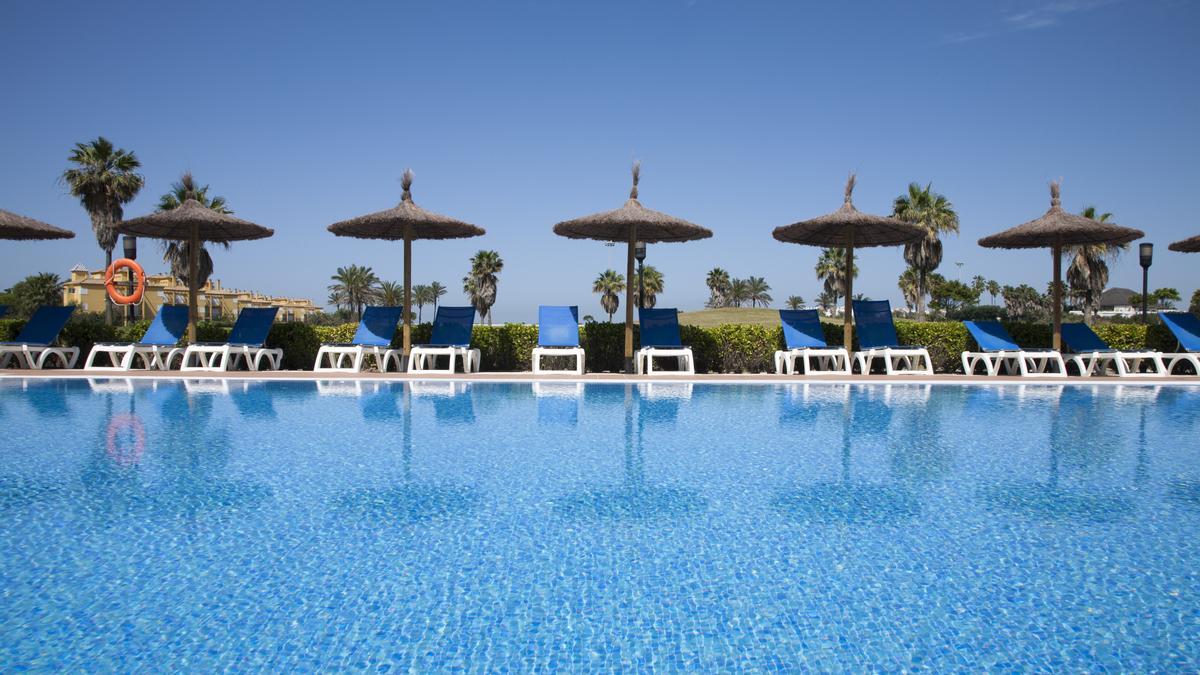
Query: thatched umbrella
point(193, 222)
point(849, 228)
point(1189, 245)
point(1055, 230)
point(406, 221)
point(13, 226)
point(631, 223)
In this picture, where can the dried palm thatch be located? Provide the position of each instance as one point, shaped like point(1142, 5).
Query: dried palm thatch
point(651, 226)
point(405, 220)
point(849, 227)
point(1060, 228)
point(1189, 245)
point(13, 226)
point(193, 220)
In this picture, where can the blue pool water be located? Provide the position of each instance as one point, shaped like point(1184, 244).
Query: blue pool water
point(164, 526)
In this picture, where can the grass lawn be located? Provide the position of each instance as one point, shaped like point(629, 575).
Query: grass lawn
point(761, 316)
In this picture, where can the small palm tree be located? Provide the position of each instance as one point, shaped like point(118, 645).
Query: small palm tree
point(358, 285)
point(421, 297)
point(177, 254)
point(993, 289)
point(910, 287)
point(610, 284)
point(719, 285)
point(739, 292)
point(436, 291)
point(481, 282)
point(831, 270)
point(1087, 271)
point(652, 279)
point(105, 179)
point(391, 293)
point(757, 291)
point(795, 302)
point(922, 206)
point(35, 290)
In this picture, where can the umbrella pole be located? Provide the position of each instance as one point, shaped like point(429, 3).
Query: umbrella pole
point(193, 268)
point(1056, 296)
point(847, 326)
point(407, 296)
point(629, 300)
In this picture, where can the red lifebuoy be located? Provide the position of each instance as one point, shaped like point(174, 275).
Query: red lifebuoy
point(124, 455)
point(110, 283)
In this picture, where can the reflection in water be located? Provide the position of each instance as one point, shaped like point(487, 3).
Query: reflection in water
point(558, 403)
point(48, 398)
point(918, 451)
point(637, 498)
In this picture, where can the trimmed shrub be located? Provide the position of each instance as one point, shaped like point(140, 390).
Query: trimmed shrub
point(9, 329)
point(739, 348)
point(299, 343)
point(945, 340)
point(85, 330)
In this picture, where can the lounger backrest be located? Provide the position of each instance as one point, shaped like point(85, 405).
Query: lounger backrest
point(252, 326)
point(168, 326)
point(873, 323)
point(45, 325)
point(377, 326)
point(991, 336)
point(1185, 327)
point(3, 310)
point(1079, 337)
point(452, 326)
point(660, 327)
point(558, 326)
point(802, 329)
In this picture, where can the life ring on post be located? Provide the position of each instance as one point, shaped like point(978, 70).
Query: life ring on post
point(110, 282)
point(119, 428)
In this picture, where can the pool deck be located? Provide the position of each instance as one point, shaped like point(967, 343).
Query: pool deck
point(746, 378)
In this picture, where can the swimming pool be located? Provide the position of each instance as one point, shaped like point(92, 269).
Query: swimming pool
point(162, 525)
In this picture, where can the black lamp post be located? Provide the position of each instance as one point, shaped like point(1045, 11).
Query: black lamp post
point(639, 252)
point(1146, 256)
point(129, 244)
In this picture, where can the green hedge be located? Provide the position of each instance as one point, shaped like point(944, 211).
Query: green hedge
point(729, 348)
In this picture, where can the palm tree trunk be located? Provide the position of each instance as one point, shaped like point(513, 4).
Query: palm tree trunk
point(921, 290)
point(108, 303)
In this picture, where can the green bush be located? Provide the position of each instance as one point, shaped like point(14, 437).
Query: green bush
point(85, 330)
point(739, 348)
point(299, 343)
point(9, 329)
point(945, 340)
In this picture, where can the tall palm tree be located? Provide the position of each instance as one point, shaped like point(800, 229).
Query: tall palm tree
point(391, 293)
point(795, 302)
point(719, 285)
point(831, 269)
point(652, 279)
point(610, 284)
point(105, 179)
point(909, 286)
point(358, 285)
point(757, 291)
point(739, 292)
point(177, 254)
point(932, 211)
point(1087, 271)
point(993, 289)
point(436, 291)
point(481, 282)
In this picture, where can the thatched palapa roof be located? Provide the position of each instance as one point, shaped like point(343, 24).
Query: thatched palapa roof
point(651, 226)
point(1189, 245)
point(14, 226)
point(177, 223)
point(1060, 228)
point(849, 227)
point(405, 217)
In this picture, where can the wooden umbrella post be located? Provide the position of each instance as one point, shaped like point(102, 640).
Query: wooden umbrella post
point(193, 287)
point(847, 326)
point(1056, 296)
point(629, 300)
point(407, 294)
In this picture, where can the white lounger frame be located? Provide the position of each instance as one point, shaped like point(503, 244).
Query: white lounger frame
point(576, 352)
point(154, 357)
point(643, 360)
point(832, 361)
point(418, 355)
point(896, 360)
point(36, 356)
point(1127, 364)
point(1028, 364)
point(217, 358)
point(1175, 359)
point(337, 355)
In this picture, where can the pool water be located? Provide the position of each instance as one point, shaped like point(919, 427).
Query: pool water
point(162, 526)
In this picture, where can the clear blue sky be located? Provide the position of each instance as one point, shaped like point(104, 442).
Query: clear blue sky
point(516, 115)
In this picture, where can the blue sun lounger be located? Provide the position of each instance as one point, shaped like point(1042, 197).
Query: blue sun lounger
point(877, 339)
point(660, 339)
point(1000, 352)
point(3, 310)
point(373, 337)
point(34, 344)
point(805, 340)
point(558, 335)
point(157, 348)
point(1088, 352)
point(246, 341)
point(451, 337)
point(1186, 329)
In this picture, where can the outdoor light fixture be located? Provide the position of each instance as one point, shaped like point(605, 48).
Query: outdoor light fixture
point(1146, 256)
point(639, 252)
point(129, 245)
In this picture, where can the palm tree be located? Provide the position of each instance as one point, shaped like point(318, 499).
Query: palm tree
point(756, 291)
point(935, 213)
point(909, 287)
point(795, 302)
point(177, 254)
point(391, 293)
point(104, 179)
point(831, 269)
point(436, 291)
point(358, 285)
point(1087, 271)
point(609, 285)
point(35, 290)
point(719, 285)
point(480, 284)
point(652, 279)
point(421, 297)
point(993, 289)
point(739, 292)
